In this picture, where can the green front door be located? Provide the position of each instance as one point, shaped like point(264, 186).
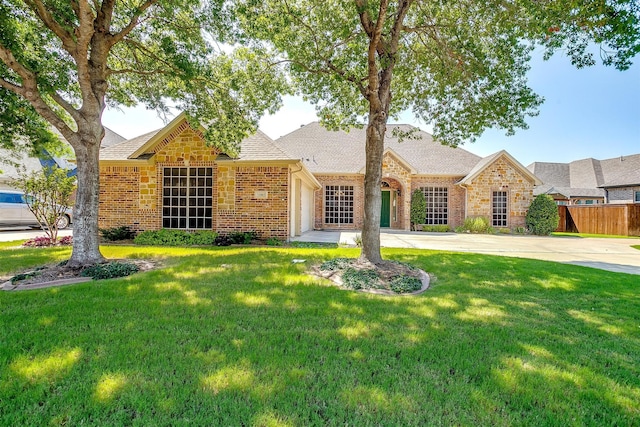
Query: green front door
point(385, 214)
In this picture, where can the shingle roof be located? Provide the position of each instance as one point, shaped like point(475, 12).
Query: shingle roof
point(111, 138)
point(621, 171)
point(260, 147)
point(587, 177)
point(122, 150)
point(256, 147)
point(325, 151)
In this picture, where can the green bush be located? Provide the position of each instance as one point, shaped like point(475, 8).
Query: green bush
point(404, 284)
point(542, 217)
point(243, 237)
point(273, 241)
point(110, 270)
point(117, 233)
point(168, 237)
point(418, 207)
point(439, 228)
point(476, 225)
point(360, 279)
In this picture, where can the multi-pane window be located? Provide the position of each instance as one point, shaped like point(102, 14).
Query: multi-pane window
point(338, 204)
point(437, 199)
point(499, 208)
point(637, 197)
point(187, 198)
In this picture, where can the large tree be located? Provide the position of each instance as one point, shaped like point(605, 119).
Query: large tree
point(63, 61)
point(458, 65)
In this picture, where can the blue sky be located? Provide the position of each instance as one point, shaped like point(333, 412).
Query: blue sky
point(591, 112)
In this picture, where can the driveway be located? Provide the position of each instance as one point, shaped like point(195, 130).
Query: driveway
point(606, 254)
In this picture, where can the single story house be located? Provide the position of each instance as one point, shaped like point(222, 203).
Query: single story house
point(311, 178)
point(590, 181)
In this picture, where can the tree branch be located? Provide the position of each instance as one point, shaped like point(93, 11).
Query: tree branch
point(67, 38)
point(115, 38)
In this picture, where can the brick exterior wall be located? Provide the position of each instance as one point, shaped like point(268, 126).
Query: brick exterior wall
point(132, 195)
point(261, 202)
point(456, 195)
point(501, 175)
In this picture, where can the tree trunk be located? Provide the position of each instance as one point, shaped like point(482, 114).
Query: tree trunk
point(372, 180)
point(86, 248)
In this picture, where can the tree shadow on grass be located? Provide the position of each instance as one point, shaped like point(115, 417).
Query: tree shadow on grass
point(245, 337)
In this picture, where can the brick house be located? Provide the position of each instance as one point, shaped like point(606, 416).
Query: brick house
point(311, 178)
point(171, 179)
point(456, 183)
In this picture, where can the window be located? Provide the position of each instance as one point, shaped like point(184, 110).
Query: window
point(637, 197)
point(437, 199)
point(588, 202)
point(338, 204)
point(499, 207)
point(187, 198)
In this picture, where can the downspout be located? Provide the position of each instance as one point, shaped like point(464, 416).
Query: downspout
point(292, 203)
point(466, 201)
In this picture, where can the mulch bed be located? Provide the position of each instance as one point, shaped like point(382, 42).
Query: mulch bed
point(386, 270)
point(58, 275)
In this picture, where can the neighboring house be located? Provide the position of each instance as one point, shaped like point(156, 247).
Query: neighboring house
point(309, 179)
point(10, 158)
point(590, 181)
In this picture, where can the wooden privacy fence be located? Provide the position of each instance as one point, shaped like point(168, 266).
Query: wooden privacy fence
point(620, 220)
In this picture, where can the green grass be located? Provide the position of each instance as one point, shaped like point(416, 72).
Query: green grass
point(241, 336)
point(636, 247)
point(600, 236)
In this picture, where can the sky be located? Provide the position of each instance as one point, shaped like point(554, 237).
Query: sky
point(589, 112)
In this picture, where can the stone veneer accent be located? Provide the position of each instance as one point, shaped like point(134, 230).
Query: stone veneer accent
point(399, 178)
point(501, 175)
point(622, 194)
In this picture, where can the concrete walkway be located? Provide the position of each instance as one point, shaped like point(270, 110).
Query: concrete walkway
point(606, 254)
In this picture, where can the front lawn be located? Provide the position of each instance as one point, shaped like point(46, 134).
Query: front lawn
point(240, 336)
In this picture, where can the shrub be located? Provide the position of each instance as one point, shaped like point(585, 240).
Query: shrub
point(46, 241)
point(358, 240)
point(359, 279)
point(202, 238)
point(335, 264)
point(117, 233)
point(403, 284)
point(542, 217)
point(223, 240)
point(439, 228)
point(476, 225)
point(168, 237)
point(504, 230)
point(243, 237)
point(273, 241)
point(110, 270)
point(418, 207)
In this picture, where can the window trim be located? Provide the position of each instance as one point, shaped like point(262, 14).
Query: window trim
point(436, 212)
point(187, 192)
point(500, 219)
point(341, 210)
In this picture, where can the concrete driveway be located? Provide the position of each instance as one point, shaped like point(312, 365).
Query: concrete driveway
point(606, 254)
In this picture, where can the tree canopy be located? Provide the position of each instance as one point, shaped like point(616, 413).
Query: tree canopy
point(460, 66)
point(63, 61)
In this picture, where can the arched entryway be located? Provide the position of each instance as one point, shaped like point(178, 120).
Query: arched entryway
point(391, 212)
